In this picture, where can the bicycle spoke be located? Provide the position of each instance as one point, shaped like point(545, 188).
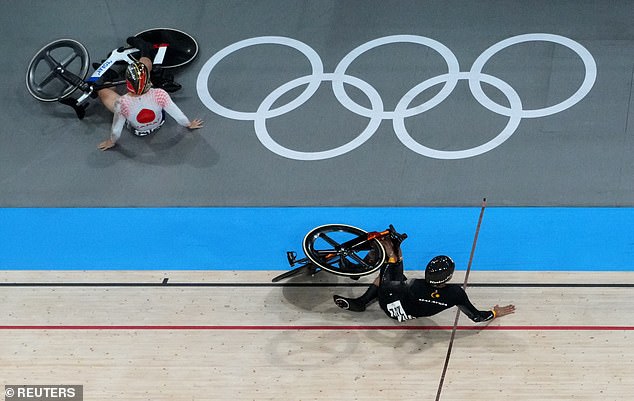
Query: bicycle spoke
point(349, 253)
point(329, 240)
point(69, 59)
point(364, 246)
point(359, 259)
point(326, 252)
point(44, 78)
point(335, 259)
point(50, 60)
point(47, 80)
point(52, 75)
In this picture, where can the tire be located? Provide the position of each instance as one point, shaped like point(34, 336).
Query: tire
point(322, 245)
point(182, 47)
point(42, 81)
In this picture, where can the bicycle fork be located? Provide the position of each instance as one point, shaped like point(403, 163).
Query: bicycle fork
point(77, 104)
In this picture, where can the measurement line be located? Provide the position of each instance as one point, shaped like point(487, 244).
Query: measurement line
point(464, 286)
point(313, 327)
point(199, 284)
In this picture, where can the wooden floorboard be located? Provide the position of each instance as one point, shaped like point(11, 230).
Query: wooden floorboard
point(244, 338)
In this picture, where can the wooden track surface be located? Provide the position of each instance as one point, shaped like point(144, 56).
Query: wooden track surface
point(234, 335)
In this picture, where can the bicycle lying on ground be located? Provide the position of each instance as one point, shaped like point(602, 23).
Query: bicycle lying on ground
point(342, 250)
point(59, 69)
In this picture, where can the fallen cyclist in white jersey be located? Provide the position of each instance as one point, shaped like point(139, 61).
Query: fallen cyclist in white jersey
point(143, 108)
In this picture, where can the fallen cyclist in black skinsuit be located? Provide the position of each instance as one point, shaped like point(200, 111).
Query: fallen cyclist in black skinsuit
point(403, 299)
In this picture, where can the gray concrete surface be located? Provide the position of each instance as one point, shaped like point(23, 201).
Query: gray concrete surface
point(579, 156)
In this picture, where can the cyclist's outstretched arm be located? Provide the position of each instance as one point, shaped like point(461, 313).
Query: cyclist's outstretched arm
point(503, 310)
point(165, 101)
point(118, 121)
point(483, 316)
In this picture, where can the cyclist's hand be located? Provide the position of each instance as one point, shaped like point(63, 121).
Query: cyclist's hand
point(503, 310)
point(195, 124)
point(105, 145)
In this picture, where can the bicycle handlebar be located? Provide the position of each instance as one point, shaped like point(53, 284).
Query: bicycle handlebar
point(395, 235)
point(391, 231)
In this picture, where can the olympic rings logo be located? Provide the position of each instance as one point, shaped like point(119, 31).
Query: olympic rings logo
point(376, 113)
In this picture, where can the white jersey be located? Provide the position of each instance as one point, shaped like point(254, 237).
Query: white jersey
point(144, 112)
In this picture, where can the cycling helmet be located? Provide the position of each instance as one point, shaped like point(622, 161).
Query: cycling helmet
point(137, 78)
point(439, 270)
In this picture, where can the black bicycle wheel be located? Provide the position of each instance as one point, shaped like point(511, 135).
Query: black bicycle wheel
point(335, 248)
point(43, 82)
point(182, 48)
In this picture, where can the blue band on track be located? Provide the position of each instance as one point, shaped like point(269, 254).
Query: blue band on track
point(522, 239)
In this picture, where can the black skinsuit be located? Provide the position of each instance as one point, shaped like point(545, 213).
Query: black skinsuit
point(403, 299)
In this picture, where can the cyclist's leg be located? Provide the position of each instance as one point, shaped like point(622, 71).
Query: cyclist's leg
point(393, 296)
point(145, 50)
point(359, 304)
point(392, 272)
point(147, 62)
point(388, 272)
point(108, 97)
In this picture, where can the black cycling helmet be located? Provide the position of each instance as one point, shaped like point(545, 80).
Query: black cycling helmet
point(137, 78)
point(439, 270)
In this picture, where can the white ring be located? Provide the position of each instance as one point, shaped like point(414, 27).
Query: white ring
point(453, 67)
point(202, 83)
point(511, 126)
point(584, 89)
point(377, 113)
point(261, 117)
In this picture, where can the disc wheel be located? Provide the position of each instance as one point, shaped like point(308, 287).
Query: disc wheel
point(338, 248)
point(182, 48)
point(43, 82)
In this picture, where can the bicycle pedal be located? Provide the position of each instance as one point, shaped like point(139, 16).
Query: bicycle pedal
point(291, 256)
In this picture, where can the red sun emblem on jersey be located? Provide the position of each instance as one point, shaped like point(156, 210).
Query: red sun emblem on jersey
point(145, 116)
